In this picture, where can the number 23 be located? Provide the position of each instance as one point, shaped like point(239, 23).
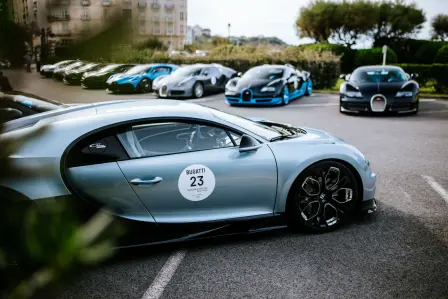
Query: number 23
point(199, 180)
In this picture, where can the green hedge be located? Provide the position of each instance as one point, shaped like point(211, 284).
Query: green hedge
point(434, 72)
point(346, 54)
point(374, 56)
point(442, 55)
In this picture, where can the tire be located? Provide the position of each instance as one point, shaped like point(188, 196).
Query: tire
point(145, 86)
point(416, 111)
point(198, 90)
point(318, 206)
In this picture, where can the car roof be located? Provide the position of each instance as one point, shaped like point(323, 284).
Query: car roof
point(371, 67)
point(272, 66)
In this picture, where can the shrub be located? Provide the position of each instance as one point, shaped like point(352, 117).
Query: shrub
point(442, 55)
point(345, 53)
point(427, 52)
point(433, 72)
point(374, 56)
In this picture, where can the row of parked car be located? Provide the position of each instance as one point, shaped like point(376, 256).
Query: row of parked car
point(262, 85)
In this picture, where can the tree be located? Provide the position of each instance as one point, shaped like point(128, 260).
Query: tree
point(219, 41)
point(351, 21)
point(317, 20)
point(396, 20)
point(440, 27)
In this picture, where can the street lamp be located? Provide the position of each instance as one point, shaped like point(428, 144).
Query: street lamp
point(229, 26)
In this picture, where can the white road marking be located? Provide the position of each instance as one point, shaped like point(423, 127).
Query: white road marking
point(434, 185)
point(315, 105)
point(431, 112)
point(162, 279)
point(428, 100)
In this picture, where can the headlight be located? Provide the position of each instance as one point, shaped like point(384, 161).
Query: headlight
point(135, 78)
point(404, 94)
point(353, 94)
point(268, 89)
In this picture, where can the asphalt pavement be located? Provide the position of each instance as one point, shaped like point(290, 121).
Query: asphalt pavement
point(401, 252)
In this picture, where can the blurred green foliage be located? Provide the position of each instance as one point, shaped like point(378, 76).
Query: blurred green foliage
point(440, 27)
point(442, 55)
point(374, 56)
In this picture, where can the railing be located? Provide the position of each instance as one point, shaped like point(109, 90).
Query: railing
point(106, 2)
point(156, 18)
point(142, 3)
point(170, 18)
point(169, 5)
point(85, 17)
point(65, 33)
point(156, 32)
point(85, 2)
point(155, 5)
point(53, 18)
point(142, 17)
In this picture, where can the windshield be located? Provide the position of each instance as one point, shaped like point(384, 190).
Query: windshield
point(36, 105)
point(263, 131)
point(138, 69)
point(187, 71)
point(378, 75)
point(61, 63)
point(88, 66)
point(266, 73)
point(76, 64)
point(108, 68)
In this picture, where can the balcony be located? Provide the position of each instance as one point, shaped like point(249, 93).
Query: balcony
point(156, 18)
point(142, 3)
point(49, 3)
point(56, 18)
point(127, 3)
point(170, 18)
point(85, 2)
point(106, 2)
point(85, 18)
point(64, 33)
point(142, 17)
point(169, 32)
point(155, 5)
point(156, 31)
point(169, 6)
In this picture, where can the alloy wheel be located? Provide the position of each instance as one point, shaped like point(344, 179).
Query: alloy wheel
point(198, 90)
point(145, 86)
point(325, 195)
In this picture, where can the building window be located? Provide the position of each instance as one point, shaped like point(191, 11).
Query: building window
point(142, 25)
point(85, 27)
point(170, 28)
point(157, 28)
point(127, 14)
point(181, 29)
point(64, 12)
point(181, 16)
point(85, 13)
point(106, 13)
point(64, 27)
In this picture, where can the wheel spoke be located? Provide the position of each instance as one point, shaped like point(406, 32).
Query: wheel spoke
point(343, 195)
point(311, 210)
point(330, 214)
point(332, 178)
point(311, 186)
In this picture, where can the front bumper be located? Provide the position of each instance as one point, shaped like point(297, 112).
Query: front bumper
point(166, 92)
point(124, 87)
point(46, 73)
point(249, 97)
point(58, 76)
point(71, 80)
point(392, 104)
point(368, 206)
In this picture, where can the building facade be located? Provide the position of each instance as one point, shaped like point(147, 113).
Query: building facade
point(69, 20)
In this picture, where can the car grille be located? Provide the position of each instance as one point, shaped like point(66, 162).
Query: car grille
point(356, 106)
point(177, 92)
point(378, 103)
point(247, 96)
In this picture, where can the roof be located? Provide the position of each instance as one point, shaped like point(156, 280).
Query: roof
point(379, 66)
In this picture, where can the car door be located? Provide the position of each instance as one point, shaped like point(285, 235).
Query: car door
point(292, 82)
point(187, 172)
point(208, 79)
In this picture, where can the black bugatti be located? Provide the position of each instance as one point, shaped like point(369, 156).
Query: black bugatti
point(379, 89)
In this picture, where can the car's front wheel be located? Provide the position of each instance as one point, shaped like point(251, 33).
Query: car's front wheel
point(309, 88)
point(145, 86)
point(322, 197)
point(198, 90)
point(285, 96)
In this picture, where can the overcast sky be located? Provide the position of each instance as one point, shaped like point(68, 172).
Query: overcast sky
point(271, 17)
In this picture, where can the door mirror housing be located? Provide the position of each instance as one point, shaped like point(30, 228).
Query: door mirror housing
point(7, 114)
point(248, 144)
point(342, 76)
point(414, 76)
point(239, 74)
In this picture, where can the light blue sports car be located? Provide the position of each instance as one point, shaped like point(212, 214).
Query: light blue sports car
point(269, 85)
point(176, 171)
point(139, 78)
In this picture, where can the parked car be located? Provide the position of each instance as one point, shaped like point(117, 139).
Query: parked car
point(183, 171)
point(269, 85)
point(194, 81)
point(379, 89)
point(48, 69)
point(5, 64)
point(59, 72)
point(98, 78)
point(139, 78)
point(16, 104)
point(73, 76)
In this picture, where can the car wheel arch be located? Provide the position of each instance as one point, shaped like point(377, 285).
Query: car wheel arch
point(289, 185)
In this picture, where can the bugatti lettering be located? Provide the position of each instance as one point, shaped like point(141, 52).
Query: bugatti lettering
point(196, 182)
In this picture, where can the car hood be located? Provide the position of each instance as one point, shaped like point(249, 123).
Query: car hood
point(169, 80)
point(245, 83)
point(385, 88)
point(312, 136)
point(122, 76)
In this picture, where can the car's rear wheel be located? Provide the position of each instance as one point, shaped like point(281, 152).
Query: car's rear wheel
point(285, 96)
point(198, 90)
point(322, 197)
point(145, 86)
point(309, 88)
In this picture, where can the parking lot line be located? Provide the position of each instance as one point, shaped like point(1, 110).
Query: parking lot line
point(434, 185)
point(162, 279)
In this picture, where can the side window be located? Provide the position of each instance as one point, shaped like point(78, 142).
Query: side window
point(161, 70)
point(175, 137)
point(206, 71)
point(99, 148)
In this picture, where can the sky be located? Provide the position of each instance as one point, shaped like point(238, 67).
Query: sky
point(273, 17)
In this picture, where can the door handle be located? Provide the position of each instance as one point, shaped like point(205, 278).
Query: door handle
point(153, 181)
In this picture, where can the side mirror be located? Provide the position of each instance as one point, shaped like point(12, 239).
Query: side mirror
point(414, 76)
point(206, 74)
point(7, 114)
point(239, 74)
point(248, 144)
point(342, 76)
